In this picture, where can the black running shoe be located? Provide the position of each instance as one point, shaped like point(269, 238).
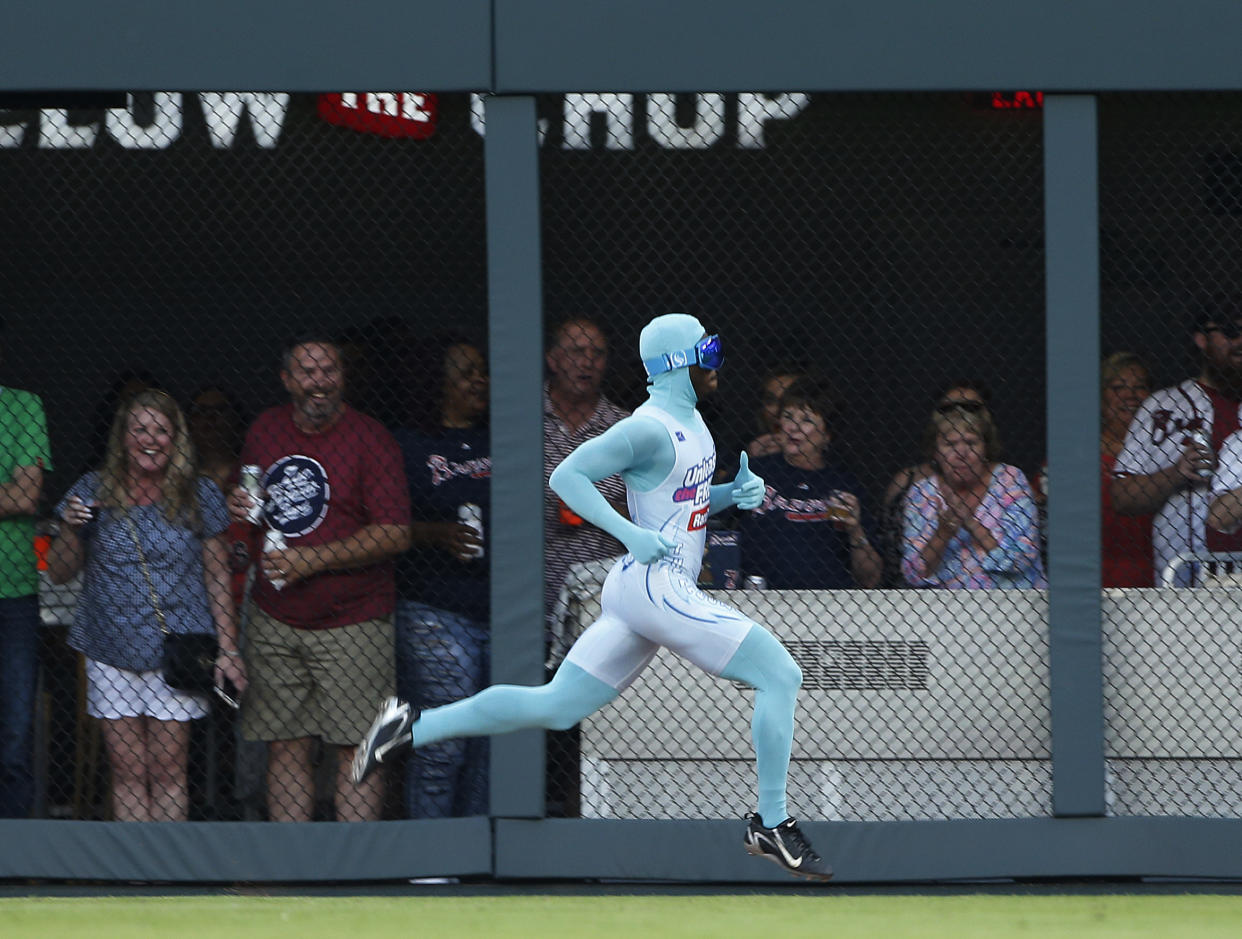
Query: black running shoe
point(389, 733)
point(786, 846)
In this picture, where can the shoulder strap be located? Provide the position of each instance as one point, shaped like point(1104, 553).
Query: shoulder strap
point(146, 574)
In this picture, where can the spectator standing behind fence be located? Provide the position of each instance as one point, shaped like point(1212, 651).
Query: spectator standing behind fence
point(24, 457)
point(127, 383)
point(320, 639)
point(1126, 548)
point(966, 393)
point(1225, 508)
point(574, 411)
point(1162, 469)
point(972, 523)
point(216, 429)
point(810, 530)
point(443, 602)
point(146, 521)
point(768, 414)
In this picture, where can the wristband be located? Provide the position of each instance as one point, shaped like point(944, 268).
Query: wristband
point(230, 653)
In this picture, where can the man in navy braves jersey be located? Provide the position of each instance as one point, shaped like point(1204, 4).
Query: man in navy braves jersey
point(666, 457)
point(443, 596)
point(1161, 468)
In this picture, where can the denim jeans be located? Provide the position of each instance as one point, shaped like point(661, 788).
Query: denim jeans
point(442, 657)
point(19, 665)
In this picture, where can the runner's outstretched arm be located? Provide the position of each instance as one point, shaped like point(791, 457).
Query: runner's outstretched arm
point(633, 447)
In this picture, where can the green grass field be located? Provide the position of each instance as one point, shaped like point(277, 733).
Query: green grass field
point(830, 916)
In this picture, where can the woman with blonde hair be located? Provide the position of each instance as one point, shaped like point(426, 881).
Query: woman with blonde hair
point(146, 523)
point(1126, 539)
point(972, 523)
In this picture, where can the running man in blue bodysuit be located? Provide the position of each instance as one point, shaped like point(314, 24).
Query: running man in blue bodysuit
point(666, 456)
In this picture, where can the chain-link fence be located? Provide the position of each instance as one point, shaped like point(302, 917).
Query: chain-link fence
point(874, 264)
point(1171, 384)
point(239, 253)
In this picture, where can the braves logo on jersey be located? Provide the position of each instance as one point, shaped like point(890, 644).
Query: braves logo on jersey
point(298, 493)
point(1166, 425)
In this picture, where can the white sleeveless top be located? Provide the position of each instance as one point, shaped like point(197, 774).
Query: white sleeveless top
point(678, 507)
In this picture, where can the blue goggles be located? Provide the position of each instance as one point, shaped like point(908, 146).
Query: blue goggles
point(708, 352)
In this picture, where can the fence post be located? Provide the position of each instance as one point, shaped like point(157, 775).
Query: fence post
point(1071, 217)
point(515, 340)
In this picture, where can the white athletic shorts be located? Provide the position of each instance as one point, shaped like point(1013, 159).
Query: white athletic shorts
point(113, 693)
point(645, 607)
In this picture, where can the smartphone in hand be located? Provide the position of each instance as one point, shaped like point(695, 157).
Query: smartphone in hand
point(228, 694)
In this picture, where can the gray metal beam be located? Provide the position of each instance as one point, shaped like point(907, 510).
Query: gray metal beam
point(643, 45)
point(515, 340)
point(866, 45)
point(1071, 218)
point(248, 45)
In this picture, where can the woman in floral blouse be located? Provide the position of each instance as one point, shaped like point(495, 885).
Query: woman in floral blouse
point(972, 524)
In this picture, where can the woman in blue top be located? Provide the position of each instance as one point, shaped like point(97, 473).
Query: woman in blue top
point(810, 531)
point(147, 507)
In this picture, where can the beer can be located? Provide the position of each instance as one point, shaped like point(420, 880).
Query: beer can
point(274, 540)
point(755, 582)
point(1203, 440)
point(251, 476)
point(471, 515)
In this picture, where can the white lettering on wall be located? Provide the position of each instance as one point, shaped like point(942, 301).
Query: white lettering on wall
point(414, 107)
point(165, 126)
point(410, 105)
point(618, 111)
point(11, 135)
point(478, 114)
point(266, 114)
point(478, 117)
point(56, 133)
point(755, 110)
point(224, 112)
point(708, 126)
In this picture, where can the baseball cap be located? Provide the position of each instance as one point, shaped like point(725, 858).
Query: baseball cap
point(1214, 310)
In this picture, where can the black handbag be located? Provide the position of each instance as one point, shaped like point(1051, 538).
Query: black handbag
point(189, 658)
point(190, 662)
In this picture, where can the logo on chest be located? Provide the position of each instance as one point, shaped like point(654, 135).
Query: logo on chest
point(298, 493)
point(1165, 425)
point(696, 489)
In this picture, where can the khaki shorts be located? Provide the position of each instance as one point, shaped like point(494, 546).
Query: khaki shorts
point(315, 682)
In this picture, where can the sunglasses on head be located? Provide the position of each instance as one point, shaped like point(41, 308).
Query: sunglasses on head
point(974, 407)
point(1228, 330)
point(708, 353)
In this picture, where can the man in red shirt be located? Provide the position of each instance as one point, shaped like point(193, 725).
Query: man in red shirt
point(319, 647)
